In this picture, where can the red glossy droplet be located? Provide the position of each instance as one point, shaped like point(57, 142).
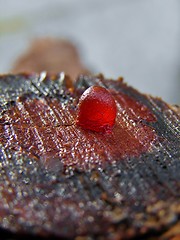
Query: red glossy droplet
point(97, 110)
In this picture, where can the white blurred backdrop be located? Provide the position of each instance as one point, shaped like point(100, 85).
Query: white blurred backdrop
point(136, 39)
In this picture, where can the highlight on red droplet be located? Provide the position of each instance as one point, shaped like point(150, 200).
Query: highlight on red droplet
point(96, 110)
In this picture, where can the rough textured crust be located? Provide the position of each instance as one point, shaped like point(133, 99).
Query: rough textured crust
point(131, 196)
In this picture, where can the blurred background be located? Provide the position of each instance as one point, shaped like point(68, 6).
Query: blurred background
point(136, 39)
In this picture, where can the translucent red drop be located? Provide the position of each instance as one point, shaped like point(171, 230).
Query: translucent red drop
point(97, 110)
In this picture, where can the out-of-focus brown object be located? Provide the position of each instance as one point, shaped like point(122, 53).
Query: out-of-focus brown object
point(51, 55)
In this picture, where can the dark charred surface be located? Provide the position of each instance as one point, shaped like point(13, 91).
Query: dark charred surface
point(59, 181)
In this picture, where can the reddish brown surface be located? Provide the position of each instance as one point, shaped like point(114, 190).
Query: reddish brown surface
point(46, 128)
point(122, 185)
